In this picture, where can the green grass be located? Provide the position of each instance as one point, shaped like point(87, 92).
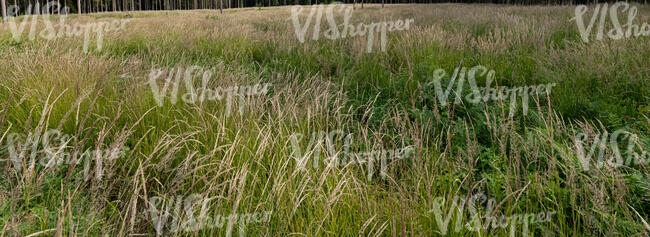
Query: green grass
point(383, 98)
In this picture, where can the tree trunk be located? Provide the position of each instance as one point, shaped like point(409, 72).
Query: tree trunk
point(221, 6)
point(4, 10)
point(78, 6)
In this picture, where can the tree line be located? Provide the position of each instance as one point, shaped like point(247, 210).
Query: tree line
point(24, 7)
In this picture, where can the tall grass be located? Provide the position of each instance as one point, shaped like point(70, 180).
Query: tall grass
point(102, 99)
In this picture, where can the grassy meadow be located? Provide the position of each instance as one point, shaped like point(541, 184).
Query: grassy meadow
point(527, 163)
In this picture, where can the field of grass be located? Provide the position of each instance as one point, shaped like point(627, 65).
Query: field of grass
point(243, 161)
